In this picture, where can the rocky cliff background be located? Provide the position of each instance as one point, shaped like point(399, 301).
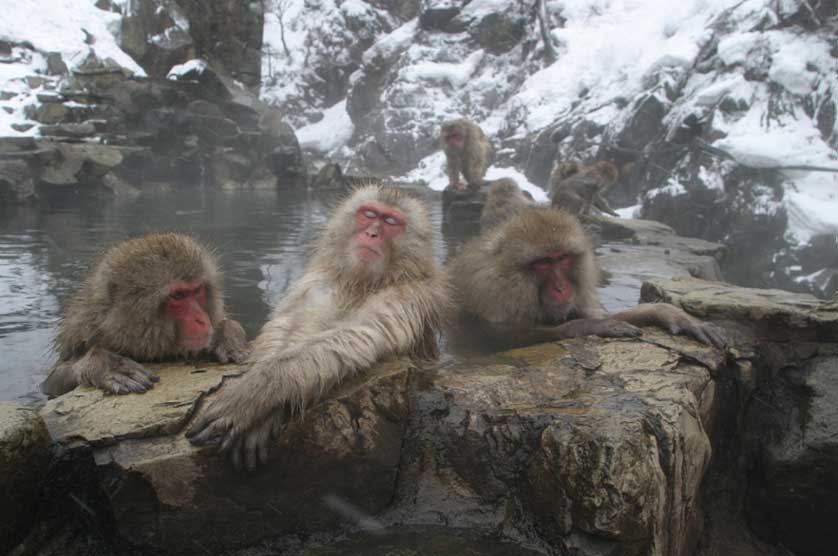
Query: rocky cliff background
point(720, 113)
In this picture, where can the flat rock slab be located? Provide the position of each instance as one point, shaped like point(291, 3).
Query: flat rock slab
point(775, 315)
point(24, 458)
point(167, 494)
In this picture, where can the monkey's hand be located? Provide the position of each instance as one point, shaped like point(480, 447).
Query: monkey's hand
point(676, 321)
point(113, 373)
point(230, 343)
point(243, 418)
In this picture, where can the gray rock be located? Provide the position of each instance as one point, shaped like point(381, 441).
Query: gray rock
point(16, 181)
point(55, 64)
point(24, 457)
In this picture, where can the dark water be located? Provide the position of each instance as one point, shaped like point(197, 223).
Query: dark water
point(263, 240)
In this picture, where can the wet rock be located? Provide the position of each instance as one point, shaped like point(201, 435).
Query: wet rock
point(601, 445)
point(498, 33)
point(771, 315)
point(48, 113)
point(119, 187)
point(16, 181)
point(165, 493)
point(24, 457)
point(785, 467)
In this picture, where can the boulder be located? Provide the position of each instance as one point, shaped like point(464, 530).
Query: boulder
point(24, 459)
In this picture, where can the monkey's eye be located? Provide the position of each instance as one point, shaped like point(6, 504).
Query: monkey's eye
point(370, 214)
point(178, 295)
point(391, 221)
point(542, 264)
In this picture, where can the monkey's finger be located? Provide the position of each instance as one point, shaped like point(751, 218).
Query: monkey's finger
point(140, 377)
point(123, 384)
point(717, 337)
point(206, 434)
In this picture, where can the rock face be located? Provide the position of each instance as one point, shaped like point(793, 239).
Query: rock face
point(788, 374)
point(24, 457)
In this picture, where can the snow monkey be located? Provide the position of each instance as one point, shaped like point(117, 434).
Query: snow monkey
point(372, 290)
point(147, 299)
point(535, 276)
point(576, 189)
point(504, 200)
point(467, 151)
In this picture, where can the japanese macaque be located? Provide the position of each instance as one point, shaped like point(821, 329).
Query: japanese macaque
point(331, 176)
point(576, 189)
point(372, 290)
point(534, 279)
point(150, 298)
point(504, 200)
point(467, 151)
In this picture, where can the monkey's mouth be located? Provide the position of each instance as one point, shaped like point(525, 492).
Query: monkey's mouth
point(196, 344)
point(367, 254)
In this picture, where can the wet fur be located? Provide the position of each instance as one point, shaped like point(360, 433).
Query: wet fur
point(491, 279)
point(576, 188)
point(336, 320)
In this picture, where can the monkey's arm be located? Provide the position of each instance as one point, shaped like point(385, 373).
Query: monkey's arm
point(244, 415)
point(600, 203)
point(100, 369)
point(673, 320)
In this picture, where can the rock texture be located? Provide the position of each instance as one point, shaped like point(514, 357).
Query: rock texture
point(24, 457)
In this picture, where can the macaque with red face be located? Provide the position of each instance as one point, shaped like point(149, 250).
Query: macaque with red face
point(467, 151)
point(533, 278)
point(152, 298)
point(372, 290)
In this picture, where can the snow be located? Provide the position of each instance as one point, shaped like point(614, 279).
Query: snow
point(197, 65)
point(455, 74)
point(608, 46)
point(812, 205)
point(52, 26)
point(56, 26)
point(431, 170)
point(330, 133)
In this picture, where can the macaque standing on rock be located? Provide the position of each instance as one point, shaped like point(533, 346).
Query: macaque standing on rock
point(504, 200)
point(372, 290)
point(467, 151)
point(577, 189)
point(148, 299)
point(534, 279)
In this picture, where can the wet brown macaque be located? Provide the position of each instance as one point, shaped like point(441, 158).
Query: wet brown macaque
point(152, 298)
point(372, 290)
point(576, 189)
point(503, 201)
point(534, 278)
point(467, 152)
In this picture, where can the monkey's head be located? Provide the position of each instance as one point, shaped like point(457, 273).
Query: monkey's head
point(161, 292)
point(453, 135)
point(544, 268)
point(378, 236)
point(564, 170)
point(608, 172)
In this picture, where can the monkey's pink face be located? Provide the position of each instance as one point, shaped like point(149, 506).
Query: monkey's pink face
point(553, 272)
point(455, 139)
point(376, 225)
point(186, 303)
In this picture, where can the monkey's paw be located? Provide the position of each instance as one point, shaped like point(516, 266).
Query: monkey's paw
point(230, 344)
point(126, 377)
point(678, 322)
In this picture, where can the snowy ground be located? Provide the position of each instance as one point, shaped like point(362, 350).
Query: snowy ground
point(73, 28)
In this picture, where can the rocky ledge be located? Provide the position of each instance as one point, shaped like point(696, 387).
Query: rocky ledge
point(649, 446)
